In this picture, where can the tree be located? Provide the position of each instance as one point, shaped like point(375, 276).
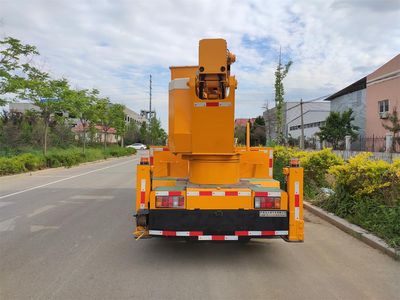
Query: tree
point(257, 132)
point(337, 126)
point(240, 134)
point(12, 68)
point(131, 134)
point(143, 133)
point(80, 104)
point(280, 74)
point(393, 127)
point(110, 116)
point(156, 134)
point(117, 116)
point(47, 94)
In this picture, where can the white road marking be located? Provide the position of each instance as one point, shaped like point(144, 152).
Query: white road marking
point(91, 197)
point(60, 180)
point(36, 228)
point(8, 225)
point(41, 210)
point(5, 203)
point(70, 202)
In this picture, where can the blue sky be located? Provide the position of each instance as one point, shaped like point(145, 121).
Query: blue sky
point(115, 45)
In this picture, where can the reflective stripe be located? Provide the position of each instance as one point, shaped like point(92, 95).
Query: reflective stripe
point(175, 233)
point(212, 104)
point(281, 232)
point(156, 232)
point(192, 193)
point(218, 193)
point(142, 193)
point(202, 237)
point(261, 233)
point(297, 213)
point(296, 188)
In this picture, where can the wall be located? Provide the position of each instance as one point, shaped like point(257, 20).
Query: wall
point(313, 113)
point(382, 84)
point(357, 102)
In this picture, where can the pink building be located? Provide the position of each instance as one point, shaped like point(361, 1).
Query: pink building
point(382, 96)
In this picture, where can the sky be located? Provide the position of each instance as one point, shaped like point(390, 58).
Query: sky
point(114, 45)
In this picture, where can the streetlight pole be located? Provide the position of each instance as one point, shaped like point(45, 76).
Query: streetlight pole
point(302, 125)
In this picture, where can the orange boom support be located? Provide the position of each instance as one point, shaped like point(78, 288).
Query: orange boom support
point(201, 186)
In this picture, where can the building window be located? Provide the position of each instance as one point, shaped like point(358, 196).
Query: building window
point(383, 106)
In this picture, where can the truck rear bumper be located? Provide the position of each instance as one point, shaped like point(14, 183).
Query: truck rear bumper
point(218, 224)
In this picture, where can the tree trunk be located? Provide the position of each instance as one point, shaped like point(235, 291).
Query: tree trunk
point(84, 140)
point(105, 139)
point(45, 138)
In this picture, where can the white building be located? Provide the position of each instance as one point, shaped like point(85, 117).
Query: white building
point(314, 116)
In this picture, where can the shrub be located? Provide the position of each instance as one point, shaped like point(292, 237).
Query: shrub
point(367, 193)
point(57, 158)
point(316, 165)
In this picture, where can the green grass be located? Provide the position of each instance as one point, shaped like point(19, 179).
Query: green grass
point(57, 157)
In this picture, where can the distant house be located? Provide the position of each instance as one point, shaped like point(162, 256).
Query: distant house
point(132, 116)
point(314, 116)
point(372, 98)
point(383, 96)
point(352, 97)
point(243, 122)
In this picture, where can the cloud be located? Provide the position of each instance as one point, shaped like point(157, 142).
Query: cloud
point(115, 45)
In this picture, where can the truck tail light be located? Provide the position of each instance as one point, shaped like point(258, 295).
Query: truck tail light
point(267, 202)
point(170, 202)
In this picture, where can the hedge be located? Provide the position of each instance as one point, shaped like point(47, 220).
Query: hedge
point(57, 158)
point(365, 192)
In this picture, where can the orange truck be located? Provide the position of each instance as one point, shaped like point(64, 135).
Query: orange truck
point(201, 186)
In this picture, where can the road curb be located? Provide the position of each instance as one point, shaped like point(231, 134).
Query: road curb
point(354, 230)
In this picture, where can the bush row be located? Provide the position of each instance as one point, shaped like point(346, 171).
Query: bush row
point(315, 163)
point(57, 158)
point(365, 192)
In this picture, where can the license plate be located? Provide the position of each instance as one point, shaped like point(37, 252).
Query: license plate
point(272, 213)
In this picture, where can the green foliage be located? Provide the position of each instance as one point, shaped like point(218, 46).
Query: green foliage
point(56, 158)
point(337, 126)
point(240, 134)
point(280, 74)
point(315, 163)
point(14, 62)
point(394, 127)
point(156, 134)
point(257, 132)
point(367, 193)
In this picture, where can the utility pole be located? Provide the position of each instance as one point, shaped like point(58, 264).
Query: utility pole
point(150, 88)
point(301, 124)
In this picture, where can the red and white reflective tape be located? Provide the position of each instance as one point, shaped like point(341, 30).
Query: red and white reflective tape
point(212, 104)
point(218, 237)
point(175, 233)
point(296, 200)
point(234, 237)
point(271, 163)
point(160, 149)
point(168, 193)
point(261, 233)
point(217, 193)
point(142, 193)
point(267, 194)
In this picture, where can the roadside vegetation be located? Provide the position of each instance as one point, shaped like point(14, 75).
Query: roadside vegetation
point(65, 126)
point(57, 157)
point(363, 191)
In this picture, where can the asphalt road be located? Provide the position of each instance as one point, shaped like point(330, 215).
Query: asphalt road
point(66, 234)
